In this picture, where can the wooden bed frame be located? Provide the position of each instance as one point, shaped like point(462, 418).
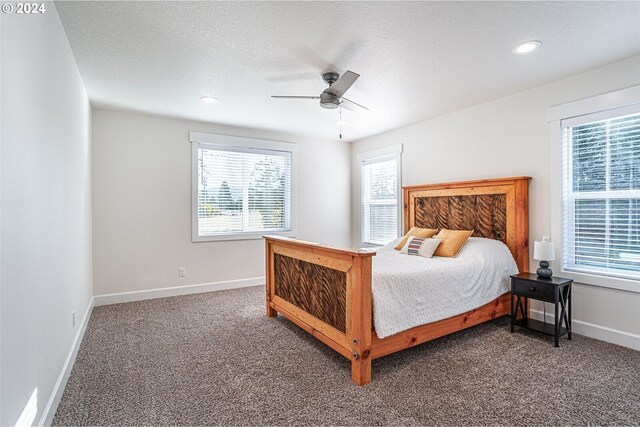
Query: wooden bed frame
point(327, 290)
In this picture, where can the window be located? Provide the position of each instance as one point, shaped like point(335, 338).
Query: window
point(601, 193)
point(240, 191)
point(379, 193)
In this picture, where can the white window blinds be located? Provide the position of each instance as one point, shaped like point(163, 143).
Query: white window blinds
point(601, 193)
point(379, 198)
point(242, 190)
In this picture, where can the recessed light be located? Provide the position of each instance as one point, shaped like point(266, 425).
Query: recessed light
point(526, 47)
point(208, 99)
point(341, 122)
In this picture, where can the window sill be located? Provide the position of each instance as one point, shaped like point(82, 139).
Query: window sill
point(371, 245)
point(239, 236)
point(619, 284)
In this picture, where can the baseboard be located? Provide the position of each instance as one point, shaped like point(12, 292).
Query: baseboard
point(122, 297)
point(598, 332)
point(52, 405)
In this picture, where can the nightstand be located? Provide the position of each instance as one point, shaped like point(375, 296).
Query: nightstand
point(556, 290)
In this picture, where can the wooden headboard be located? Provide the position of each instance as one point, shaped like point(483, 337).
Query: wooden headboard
point(494, 208)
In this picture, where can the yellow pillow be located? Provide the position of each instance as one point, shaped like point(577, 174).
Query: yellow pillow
point(424, 233)
point(452, 242)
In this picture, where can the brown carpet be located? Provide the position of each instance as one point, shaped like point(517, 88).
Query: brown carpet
point(215, 359)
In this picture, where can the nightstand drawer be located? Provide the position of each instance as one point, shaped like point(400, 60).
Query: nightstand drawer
point(536, 290)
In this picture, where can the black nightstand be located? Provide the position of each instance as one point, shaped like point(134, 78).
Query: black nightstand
point(554, 289)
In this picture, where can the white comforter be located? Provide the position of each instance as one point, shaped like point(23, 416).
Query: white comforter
point(409, 291)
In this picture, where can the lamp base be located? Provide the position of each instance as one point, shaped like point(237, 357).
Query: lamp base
point(544, 270)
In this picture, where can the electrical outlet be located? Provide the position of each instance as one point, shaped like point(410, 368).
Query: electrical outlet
point(73, 319)
point(182, 272)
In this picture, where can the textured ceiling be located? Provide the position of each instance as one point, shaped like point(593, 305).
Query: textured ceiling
point(417, 60)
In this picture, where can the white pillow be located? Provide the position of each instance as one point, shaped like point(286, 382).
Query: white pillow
point(426, 249)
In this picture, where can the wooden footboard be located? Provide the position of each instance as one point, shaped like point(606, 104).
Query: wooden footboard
point(327, 292)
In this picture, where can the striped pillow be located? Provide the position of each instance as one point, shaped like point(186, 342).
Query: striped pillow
point(421, 246)
point(414, 246)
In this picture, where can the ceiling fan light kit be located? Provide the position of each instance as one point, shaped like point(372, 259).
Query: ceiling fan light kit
point(329, 101)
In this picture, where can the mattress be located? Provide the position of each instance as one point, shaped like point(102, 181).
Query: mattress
point(410, 291)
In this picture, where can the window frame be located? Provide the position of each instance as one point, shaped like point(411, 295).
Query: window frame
point(389, 153)
point(568, 113)
point(245, 145)
point(568, 218)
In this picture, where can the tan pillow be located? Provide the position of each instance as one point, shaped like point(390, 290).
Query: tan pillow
point(452, 242)
point(416, 232)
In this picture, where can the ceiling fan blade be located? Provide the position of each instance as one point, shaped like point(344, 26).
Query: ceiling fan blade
point(349, 104)
point(343, 84)
point(295, 97)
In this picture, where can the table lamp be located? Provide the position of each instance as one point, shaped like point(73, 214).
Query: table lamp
point(544, 252)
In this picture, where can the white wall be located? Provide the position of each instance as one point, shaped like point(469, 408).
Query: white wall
point(46, 208)
point(510, 137)
point(142, 204)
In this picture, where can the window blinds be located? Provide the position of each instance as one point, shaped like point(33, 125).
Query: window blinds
point(601, 193)
point(243, 190)
point(379, 196)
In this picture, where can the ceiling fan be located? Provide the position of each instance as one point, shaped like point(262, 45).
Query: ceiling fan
point(332, 97)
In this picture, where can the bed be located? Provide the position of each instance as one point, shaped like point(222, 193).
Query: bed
point(328, 291)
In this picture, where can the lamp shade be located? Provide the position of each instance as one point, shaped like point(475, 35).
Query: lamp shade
point(544, 251)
